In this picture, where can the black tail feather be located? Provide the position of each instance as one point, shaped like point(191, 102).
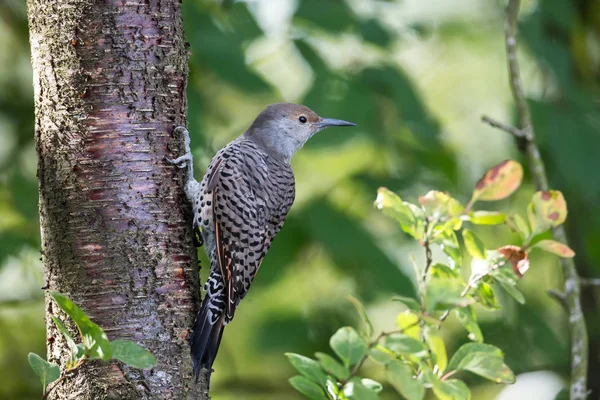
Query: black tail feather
point(205, 340)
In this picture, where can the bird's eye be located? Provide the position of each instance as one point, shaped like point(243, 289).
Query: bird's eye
point(302, 119)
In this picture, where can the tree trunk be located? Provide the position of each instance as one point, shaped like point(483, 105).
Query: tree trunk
point(110, 79)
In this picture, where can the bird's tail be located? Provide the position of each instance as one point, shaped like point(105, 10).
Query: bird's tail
point(205, 339)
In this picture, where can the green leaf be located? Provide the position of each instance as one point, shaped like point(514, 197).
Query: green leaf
point(392, 205)
point(498, 182)
point(482, 359)
point(357, 391)
point(486, 296)
point(451, 389)
point(132, 354)
point(93, 337)
point(381, 355)
point(444, 288)
point(554, 247)
point(409, 302)
point(372, 385)
point(437, 347)
point(348, 345)
point(468, 319)
point(446, 239)
point(474, 245)
point(48, 372)
point(522, 226)
point(363, 315)
point(546, 210)
point(331, 366)
point(513, 292)
point(307, 387)
point(487, 217)
point(403, 344)
point(440, 204)
point(401, 377)
point(408, 322)
point(76, 354)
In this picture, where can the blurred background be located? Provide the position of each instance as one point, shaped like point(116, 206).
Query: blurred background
point(416, 76)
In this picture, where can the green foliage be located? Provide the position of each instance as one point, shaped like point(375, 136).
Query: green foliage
point(415, 356)
point(94, 345)
point(47, 371)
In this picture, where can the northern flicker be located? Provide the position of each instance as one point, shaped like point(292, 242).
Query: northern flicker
point(239, 207)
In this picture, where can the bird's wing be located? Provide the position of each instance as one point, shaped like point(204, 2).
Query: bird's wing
point(241, 224)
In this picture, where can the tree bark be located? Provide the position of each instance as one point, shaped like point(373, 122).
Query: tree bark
point(110, 79)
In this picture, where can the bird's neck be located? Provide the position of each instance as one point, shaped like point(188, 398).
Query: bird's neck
point(277, 146)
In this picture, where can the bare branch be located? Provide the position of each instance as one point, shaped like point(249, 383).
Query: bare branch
point(517, 133)
point(579, 335)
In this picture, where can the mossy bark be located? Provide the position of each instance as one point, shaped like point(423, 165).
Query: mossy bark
point(110, 79)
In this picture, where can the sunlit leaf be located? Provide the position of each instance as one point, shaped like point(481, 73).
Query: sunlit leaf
point(75, 354)
point(48, 372)
point(554, 247)
point(404, 344)
point(348, 345)
point(499, 182)
point(486, 296)
point(393, 206)
point(307, 388)
point(451, 389)
point(517, 258)
point(402, 378)
point(408, 321)
point(355, 390)
point(487, 217)
point(93, 337)
point(466, 316)
point(363, 315)
point(474, 245)
point(332, 366)
point(521, 226)
point(381, 355)
point(446, 239)
point(371, 384)
point(437, 347)
point(132, 354)
point(546, 210)
point(482, 359)
point(438, 204)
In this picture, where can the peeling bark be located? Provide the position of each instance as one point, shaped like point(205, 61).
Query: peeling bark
point(110, 79)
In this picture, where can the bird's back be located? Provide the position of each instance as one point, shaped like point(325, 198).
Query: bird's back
point(248, 194)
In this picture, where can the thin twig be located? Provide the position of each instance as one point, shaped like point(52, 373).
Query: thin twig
point(374, 343)
point(517, 133)
point(560, 297)
point(590, 281)
point(578, 331)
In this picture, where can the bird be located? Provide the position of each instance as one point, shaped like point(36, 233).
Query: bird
point(238, 208)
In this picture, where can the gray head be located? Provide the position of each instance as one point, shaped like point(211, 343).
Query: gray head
point(283, 128)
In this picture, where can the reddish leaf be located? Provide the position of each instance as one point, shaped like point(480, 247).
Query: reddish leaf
point(546, 210)
point(499, 182)
point(554, 247)
point(517, 257)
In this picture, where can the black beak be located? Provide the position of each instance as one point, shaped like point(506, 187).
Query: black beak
point(326, 122)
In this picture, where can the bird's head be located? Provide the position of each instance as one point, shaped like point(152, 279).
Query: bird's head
point(283, 128)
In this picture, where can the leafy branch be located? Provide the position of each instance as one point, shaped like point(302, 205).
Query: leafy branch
point(414, 356)
point(525, 136)
point(94, 346)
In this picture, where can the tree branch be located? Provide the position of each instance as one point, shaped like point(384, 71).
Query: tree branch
point(526, 136)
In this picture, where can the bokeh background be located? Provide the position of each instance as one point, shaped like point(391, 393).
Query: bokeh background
point(415, 76)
